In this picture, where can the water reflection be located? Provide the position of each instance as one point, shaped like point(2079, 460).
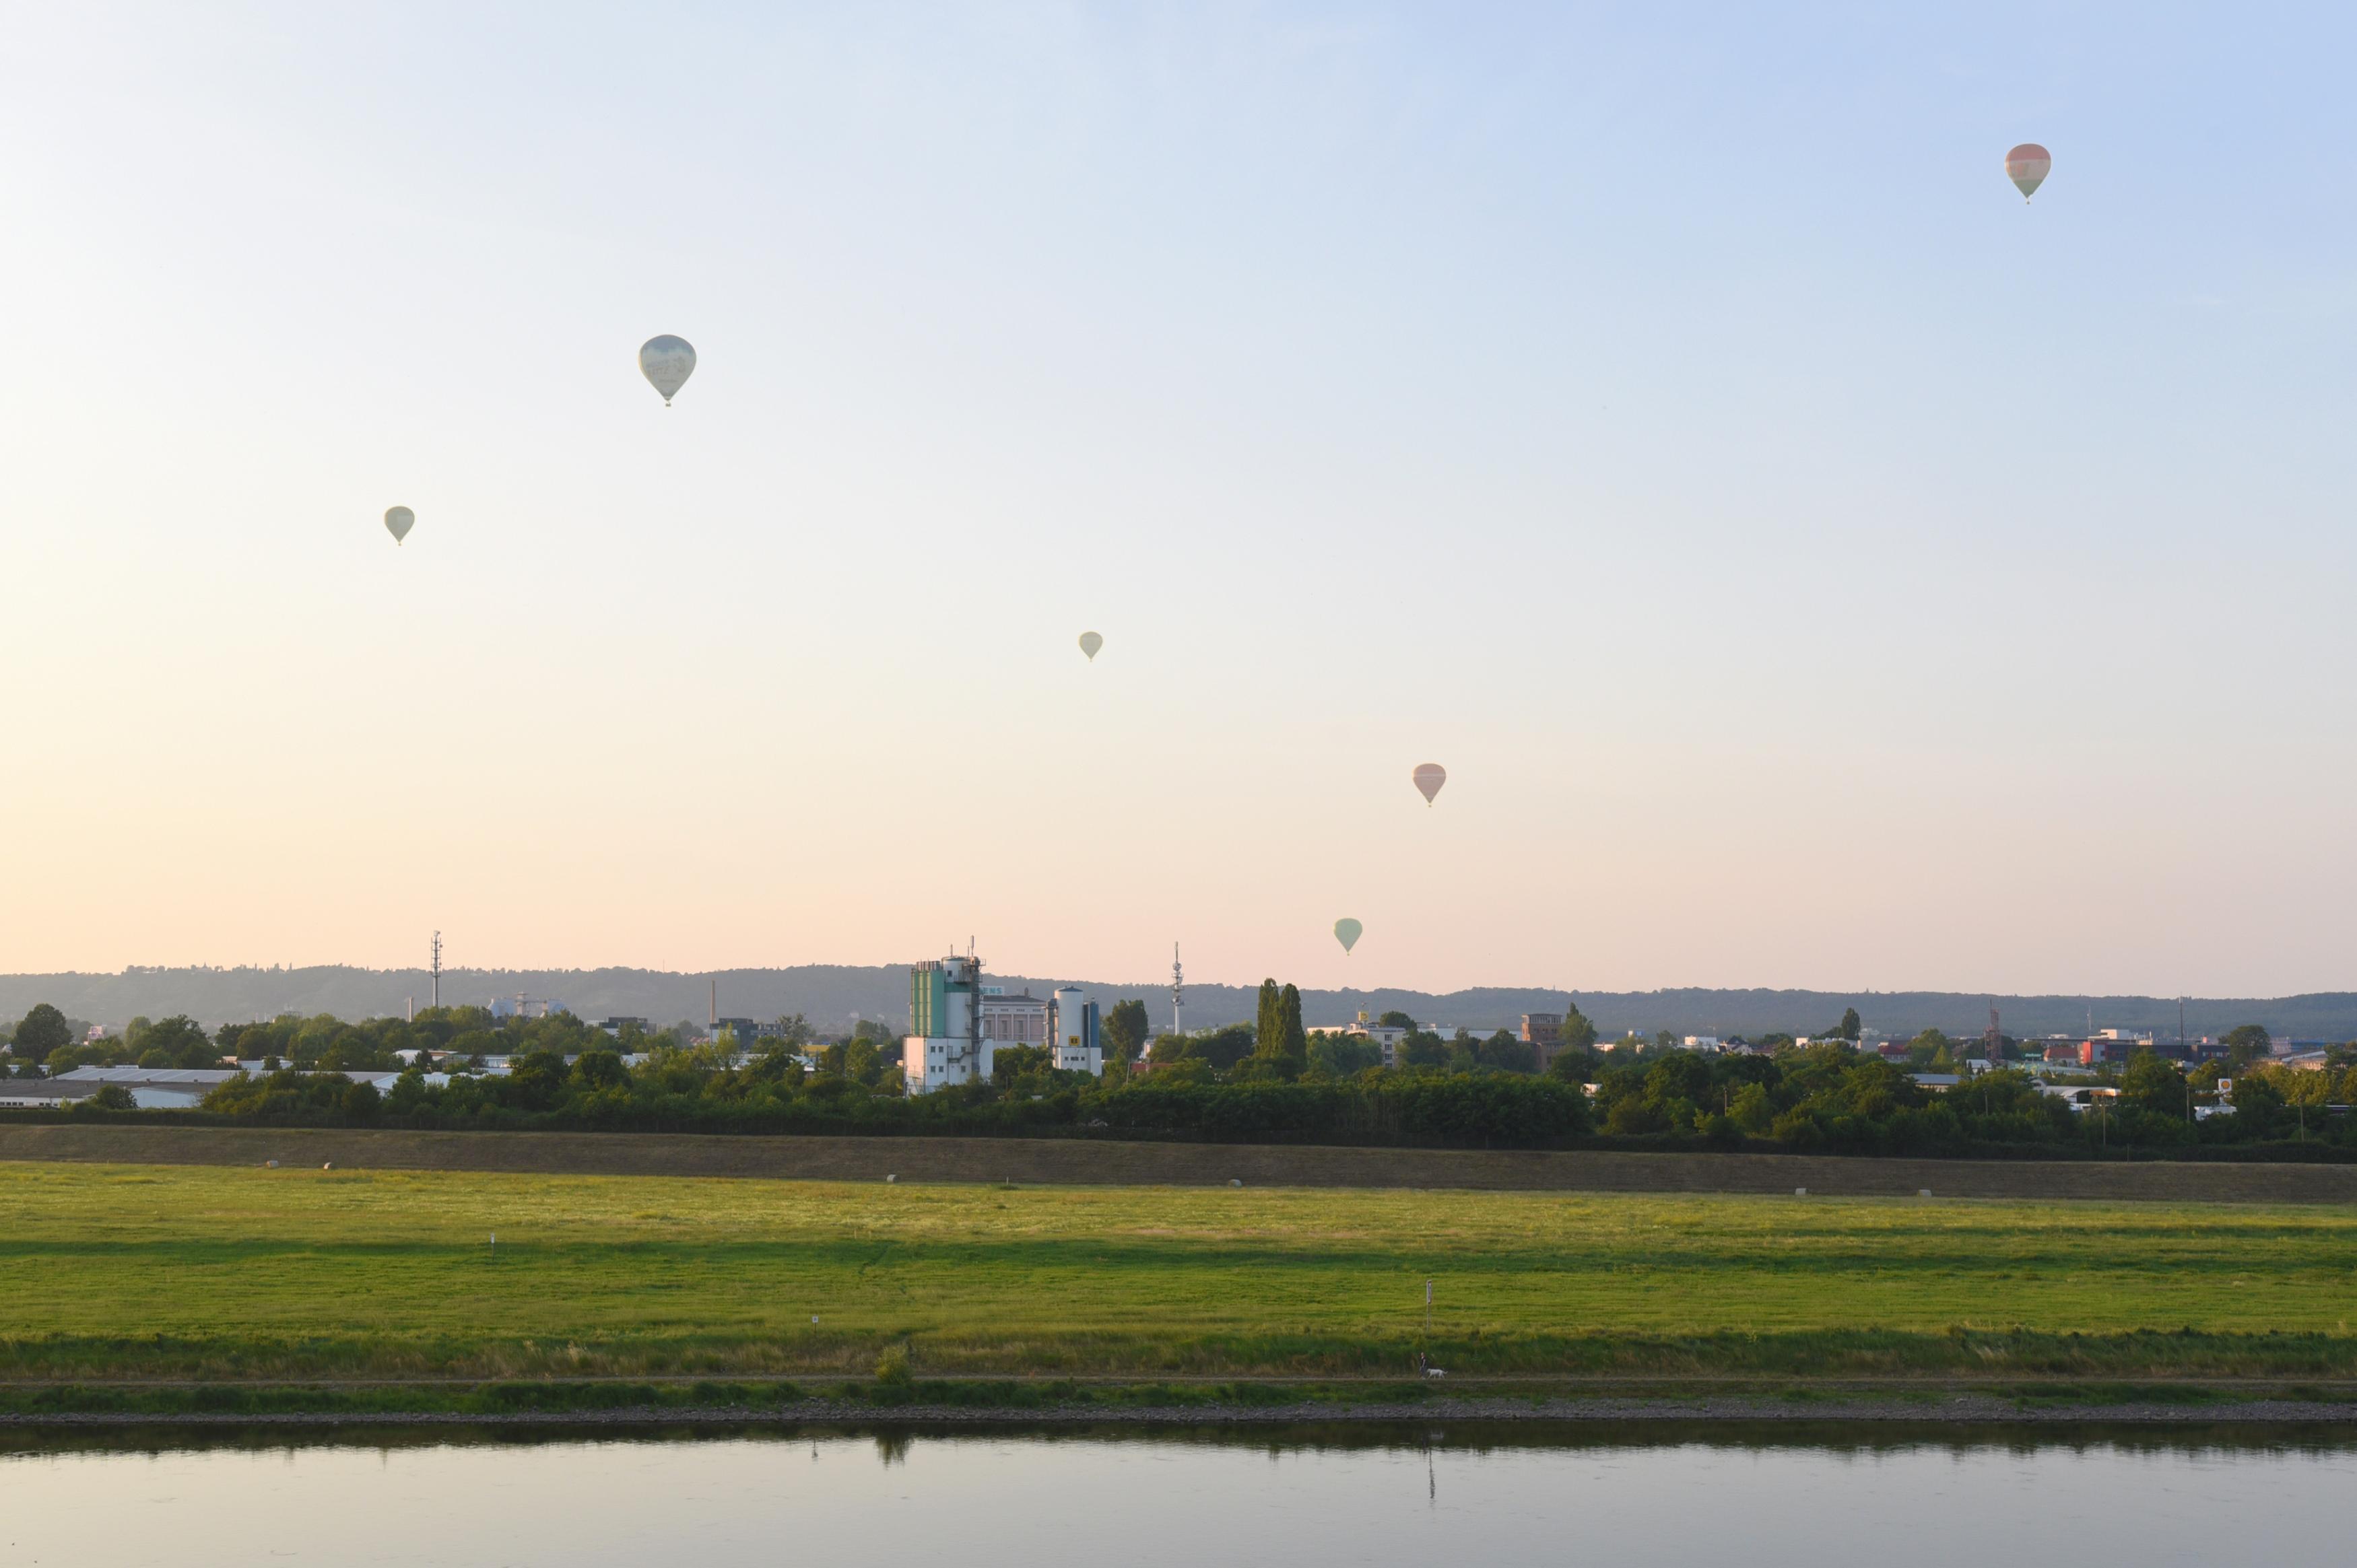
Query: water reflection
point(1632, 1495)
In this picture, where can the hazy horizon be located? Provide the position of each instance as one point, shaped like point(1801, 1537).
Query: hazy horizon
point(1812, 565)
point(832, 997)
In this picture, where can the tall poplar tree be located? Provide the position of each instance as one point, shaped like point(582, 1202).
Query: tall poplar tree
point(1268, 1031)
point(1293, 1041)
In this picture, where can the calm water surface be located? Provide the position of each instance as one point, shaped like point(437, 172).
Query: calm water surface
point(1454, 1496)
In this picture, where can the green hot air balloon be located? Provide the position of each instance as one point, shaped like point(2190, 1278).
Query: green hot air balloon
point(1090, 643)
point(667, 362)
point(1346, 932)
point(398, 521)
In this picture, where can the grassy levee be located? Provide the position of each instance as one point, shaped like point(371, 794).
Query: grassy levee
point(1114, 1162)
point(240, 1274)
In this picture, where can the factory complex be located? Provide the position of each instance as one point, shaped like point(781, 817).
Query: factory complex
point(958, 1025)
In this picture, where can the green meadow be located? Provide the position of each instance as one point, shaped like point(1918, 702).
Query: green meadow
point(241, 1273)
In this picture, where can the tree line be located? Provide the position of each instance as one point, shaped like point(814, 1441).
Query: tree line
point(1271, 1079)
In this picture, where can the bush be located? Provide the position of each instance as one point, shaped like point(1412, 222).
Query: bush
point(108, 1097)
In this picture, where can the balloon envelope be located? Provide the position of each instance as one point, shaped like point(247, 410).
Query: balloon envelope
point(1346, 932)
point(1090, 643)
point(398, 521)
point(1430, 778)
point(667, 361)
point(2026, 165)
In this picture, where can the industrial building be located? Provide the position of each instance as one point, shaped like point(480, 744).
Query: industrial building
point(1017, 1020)
point(957, 1025)
point(151, 1088)
point(1542, 1032)
point(944, 1046)
point(1072, 1023)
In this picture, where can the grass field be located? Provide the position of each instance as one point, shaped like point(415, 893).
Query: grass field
point(213, 1272)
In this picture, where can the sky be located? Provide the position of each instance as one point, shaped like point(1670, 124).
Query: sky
point(1814, 565)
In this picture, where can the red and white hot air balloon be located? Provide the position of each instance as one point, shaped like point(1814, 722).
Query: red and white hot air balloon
point(1430, 778)
point(2027, 166)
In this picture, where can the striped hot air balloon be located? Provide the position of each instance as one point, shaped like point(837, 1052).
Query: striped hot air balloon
point(2026, 165)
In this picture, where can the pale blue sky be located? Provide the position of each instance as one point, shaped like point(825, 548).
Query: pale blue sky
point(1813, 566)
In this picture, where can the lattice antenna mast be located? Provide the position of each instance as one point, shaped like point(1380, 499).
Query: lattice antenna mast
point(437, 969)
point(1177, 993)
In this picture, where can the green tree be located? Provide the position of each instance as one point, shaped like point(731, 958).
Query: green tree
point(863, 1061)
point(1396, 1020)
point(1123, 1030)
point(2307, 1091)
point(1849, 1028)
point(2247, 1043)
point(1421, 1047)
point(2258, 1105)
point(1578, 1029)
point(43, 1030)
point(1752, 1110)
point(183, 1039)
point(1929, 1047)
point(600, 1068)
point(536, 1080)
point(1008, 1063)
point(1293, 1045)
point(1268, 1025)
point(1342, 1056)
point(1222, 1049)
point(1507, 1053)
point(1574, 1066)
point(2155, 1086)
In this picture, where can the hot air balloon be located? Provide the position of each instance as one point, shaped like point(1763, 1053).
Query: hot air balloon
point(1090, 643)
point(1346, 932)
point(398, 521)
point(1430, 778)
point(2026, 165)
point(667, 361)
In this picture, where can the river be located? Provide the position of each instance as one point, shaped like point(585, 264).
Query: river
point(1436, 1497)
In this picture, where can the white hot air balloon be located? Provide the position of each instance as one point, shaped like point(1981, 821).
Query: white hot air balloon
point(1090, 643)
point(398, 521)
point(667, 362)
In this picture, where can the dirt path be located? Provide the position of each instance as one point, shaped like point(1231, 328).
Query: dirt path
point(1062, 1160)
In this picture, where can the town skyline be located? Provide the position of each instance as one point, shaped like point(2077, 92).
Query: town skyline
point(831, 996)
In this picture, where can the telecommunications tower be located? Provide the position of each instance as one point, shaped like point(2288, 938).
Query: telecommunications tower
point(437, 969)
point(1177, 993)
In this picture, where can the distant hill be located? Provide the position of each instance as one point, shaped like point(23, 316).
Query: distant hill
point(830, 995)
